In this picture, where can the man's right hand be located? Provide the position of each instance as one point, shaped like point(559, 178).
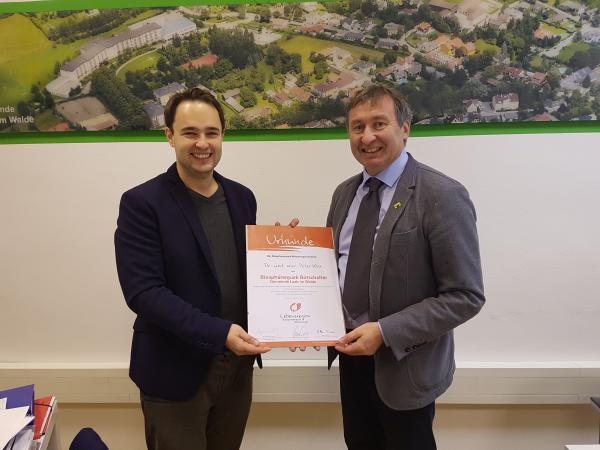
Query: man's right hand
point(241, 343)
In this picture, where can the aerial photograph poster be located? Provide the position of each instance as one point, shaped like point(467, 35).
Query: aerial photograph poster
point(295, 65)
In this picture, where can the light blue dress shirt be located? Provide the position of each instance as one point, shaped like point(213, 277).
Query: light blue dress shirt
point(389, 176)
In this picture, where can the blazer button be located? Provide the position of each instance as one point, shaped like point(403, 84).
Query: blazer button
point(407, 350)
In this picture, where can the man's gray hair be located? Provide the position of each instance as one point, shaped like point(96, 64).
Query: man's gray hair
point(376, 92)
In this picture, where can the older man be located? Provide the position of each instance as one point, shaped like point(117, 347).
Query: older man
point(410, 273)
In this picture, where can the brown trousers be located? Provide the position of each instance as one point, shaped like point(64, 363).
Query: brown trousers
point(214, 419)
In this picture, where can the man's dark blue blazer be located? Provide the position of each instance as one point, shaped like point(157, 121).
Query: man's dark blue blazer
point(168, 279)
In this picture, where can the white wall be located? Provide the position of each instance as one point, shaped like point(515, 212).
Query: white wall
point(536, 197)
point(538, 221)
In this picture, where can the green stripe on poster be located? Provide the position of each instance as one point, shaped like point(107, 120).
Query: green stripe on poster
point(302, 134)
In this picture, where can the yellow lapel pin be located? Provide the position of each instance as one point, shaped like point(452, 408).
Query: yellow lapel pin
point(397, 205)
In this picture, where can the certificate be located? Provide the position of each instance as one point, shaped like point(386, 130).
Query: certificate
point(293, 290)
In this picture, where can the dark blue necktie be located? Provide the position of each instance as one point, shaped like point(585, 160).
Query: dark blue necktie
point(358, 268)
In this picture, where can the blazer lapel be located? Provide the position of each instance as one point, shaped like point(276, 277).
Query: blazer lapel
point(402, 194)
point(404, 190)
point(341, 211)
point(339, 217)
point(184, 201)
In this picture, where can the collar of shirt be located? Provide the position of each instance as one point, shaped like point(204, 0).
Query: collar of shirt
point(389, 176)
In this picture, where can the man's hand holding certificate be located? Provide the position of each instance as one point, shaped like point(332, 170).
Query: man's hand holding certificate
point(293, 290)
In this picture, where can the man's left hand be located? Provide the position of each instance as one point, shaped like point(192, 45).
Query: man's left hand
point(293, 223)
point(362, 341)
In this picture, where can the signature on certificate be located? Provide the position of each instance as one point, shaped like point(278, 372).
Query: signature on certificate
point(321, 332)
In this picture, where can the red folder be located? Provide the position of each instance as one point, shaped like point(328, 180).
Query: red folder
point(42, 410)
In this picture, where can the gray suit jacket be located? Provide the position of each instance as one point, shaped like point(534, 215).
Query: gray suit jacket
point(425, 281)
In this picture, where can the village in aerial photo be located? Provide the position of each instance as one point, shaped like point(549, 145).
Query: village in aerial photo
point(294, 65)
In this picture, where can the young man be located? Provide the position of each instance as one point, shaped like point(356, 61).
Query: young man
point(409, 270)
point(180, 250)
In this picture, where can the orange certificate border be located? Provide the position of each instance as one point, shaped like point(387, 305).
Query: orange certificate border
point(283, 344)
point(283, 238)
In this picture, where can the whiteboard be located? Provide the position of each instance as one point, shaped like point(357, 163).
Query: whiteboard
point(538, 217)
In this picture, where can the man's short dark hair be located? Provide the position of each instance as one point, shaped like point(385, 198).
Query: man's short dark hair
point(375, 92)
point(194, 95)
